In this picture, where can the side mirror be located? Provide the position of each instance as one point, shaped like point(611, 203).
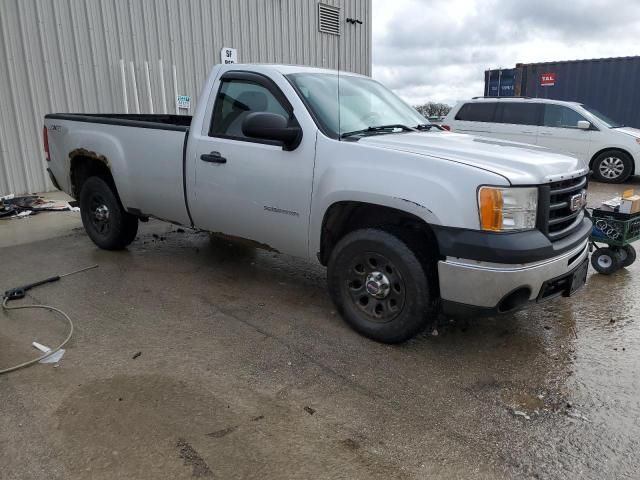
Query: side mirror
point(271, 126)
point(584, 125)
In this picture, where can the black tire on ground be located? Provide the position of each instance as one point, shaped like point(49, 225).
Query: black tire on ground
point(606, 260)
point(612, 167)
point(104, 219)
point(629, 254)
point(379, 285)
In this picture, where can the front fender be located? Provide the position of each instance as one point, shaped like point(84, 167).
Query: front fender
point(438, 191)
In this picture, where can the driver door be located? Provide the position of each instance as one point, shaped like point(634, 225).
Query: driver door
point(250, 188)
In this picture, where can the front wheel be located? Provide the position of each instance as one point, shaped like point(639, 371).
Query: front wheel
point(103, 216)
point(380, 286)
point(612, 167)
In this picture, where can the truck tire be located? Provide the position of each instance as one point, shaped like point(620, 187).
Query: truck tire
point(612, 167)
point(379, 285)
point(103, 216)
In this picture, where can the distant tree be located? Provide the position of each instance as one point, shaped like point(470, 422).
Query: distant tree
point(433, 109)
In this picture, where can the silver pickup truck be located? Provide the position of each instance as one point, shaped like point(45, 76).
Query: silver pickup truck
point(411, 220)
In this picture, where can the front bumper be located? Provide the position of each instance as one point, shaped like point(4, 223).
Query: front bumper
point(476, 287)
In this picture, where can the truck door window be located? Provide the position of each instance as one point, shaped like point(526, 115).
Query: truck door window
point(561, 117)
point(236, 99)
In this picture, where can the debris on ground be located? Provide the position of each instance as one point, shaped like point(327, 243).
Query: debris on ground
point(519, 413)
point(27, 205)
point(223, 432)
point(576, 415)
point(53, 358)
point(310, 410)
point(136, 355)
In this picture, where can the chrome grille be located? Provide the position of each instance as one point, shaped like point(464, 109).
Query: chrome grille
point(561, 220)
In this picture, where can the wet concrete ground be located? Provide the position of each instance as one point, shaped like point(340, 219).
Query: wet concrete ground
point(246, 371)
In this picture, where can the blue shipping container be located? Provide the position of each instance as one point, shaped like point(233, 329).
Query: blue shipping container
point(610, 85)
point(500, 83)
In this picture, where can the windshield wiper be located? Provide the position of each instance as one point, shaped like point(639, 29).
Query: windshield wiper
point(379, 129)
point(618, 126)
point(424, 127)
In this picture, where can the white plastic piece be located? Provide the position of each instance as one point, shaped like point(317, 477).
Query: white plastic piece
point(163, 95)
point(42, 348)
point(134, 89)
point(53, 358)
point(123, 77)
point(147, 79)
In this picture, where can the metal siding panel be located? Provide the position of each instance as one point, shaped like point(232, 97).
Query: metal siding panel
point(30, 110)
point(17, 139)
point(64, 56)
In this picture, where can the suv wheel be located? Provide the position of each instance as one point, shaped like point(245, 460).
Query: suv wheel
point(380, 286)
point(103, 216)
point(612, 167)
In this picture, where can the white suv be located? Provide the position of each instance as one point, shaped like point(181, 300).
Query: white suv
point(611, 150)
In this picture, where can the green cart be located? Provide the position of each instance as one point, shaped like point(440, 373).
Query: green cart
point(617, 231)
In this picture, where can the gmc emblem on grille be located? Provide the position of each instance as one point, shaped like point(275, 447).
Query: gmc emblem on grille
point(578, 201)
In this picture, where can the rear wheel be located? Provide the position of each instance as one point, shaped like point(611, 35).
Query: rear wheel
point(103, 216)
point(612, 167)
point(380, 286)
point(606, 260)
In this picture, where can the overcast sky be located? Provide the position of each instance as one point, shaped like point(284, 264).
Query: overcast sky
point(439, 49)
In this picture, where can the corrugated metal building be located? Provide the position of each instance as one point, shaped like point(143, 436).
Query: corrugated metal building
point(610, 85)
point(105, 55)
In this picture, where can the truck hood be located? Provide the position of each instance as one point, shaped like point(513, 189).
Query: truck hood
point(519, 163)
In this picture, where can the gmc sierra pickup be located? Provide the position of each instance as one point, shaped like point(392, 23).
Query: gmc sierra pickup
point(411, 221)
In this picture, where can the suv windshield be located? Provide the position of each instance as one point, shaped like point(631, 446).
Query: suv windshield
point(364, 105)
point(602, 117)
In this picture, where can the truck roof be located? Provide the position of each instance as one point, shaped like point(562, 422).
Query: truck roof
point(288, 69)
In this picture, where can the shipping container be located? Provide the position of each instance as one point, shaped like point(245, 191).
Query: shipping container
point(610, 85)
point(500, 83)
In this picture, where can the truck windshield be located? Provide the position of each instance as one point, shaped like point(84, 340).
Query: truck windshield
point(602, 117)
point(364, 105)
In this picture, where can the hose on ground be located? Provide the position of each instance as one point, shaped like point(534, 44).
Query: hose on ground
point(53, 350)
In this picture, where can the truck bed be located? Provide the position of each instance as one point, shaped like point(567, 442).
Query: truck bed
point(145, 154)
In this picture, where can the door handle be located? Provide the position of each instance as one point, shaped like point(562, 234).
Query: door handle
point(213, 157)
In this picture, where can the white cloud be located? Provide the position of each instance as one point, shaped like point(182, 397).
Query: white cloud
point(438, 50)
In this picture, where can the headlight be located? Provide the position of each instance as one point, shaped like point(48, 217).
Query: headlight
point(505, 209)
